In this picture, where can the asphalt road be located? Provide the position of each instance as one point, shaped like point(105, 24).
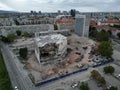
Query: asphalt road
point(109, 78)
point(16, 76)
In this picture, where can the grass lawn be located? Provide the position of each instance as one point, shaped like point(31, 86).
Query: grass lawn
point(5, 83)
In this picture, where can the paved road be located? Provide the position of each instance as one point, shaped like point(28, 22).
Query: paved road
point(16, 76)
point(93, 85)
point(109, 78)
point(83, 76)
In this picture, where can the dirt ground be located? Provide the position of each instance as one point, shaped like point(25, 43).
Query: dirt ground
point(54, 68)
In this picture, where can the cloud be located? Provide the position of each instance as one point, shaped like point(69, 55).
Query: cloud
point(54, 5)
point(5, 7)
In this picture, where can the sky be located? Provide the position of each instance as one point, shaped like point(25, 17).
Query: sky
point(63, 5)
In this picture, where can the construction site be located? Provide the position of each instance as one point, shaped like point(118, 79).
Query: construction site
point(54, 55)
point(50, 47)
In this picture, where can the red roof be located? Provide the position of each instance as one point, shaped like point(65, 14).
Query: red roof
point(64, 20)
point(92, 22)
point(111, 21)
point(105, 27)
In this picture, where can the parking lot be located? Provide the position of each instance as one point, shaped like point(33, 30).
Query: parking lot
point(93, 85)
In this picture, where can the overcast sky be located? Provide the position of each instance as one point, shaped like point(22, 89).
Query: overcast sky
point(54, 5)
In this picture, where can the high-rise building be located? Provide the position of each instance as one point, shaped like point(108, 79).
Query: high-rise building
point(59, 12)
point(72, 12)
point(40, 12)
point(82, 25)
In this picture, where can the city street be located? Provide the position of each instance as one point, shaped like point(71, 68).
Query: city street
point(17, 78)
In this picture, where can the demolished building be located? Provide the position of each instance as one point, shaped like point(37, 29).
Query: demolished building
point(50, 47)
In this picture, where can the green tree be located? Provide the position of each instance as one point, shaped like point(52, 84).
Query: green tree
point(5, 83)
point(95, 74)
point(11, 37)
point(110, 33)
point(92, 28)
point(23, 52)
point(100, 36)
point(16, 22)
point(116, 26)
point(118, 34)
point(105, 49)
point(113, 88)
point(4, 39)
point(109, 69)
point(55, 27)
point(18, 32)
point(102, 80)
point(103, 35)
point(26, 34)
point(84, 86)
point(93, 33)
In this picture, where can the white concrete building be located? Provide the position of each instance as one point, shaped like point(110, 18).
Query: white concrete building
point(26, 28)
point(50, 47)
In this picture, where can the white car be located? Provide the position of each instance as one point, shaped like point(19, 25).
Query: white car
point(74, 85)
point(118, 75)
point(16, 88)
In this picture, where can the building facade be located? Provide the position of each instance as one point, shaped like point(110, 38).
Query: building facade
point(50, 47)
point(82, 25)
point(5, 30)
point(64, 22)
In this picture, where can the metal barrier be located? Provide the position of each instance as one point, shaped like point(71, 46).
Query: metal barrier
point(103, 63)
point(68, 74)
point(59, 77)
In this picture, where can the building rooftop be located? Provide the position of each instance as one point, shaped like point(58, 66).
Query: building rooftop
point(63, 16)
point(64, 20)
point(93, 23)
point(111, 21)
point(106, 27)
point(53, 38)
point(80, 16)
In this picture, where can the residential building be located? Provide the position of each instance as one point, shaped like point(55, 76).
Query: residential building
point(82, 25)
point(65, 22)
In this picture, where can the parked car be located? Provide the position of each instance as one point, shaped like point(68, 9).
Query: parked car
point(117, 75)
point(74, 85)
point(80, 65)
point(99, 85)
point(109, 86)
point(16, 88)
point(85, 47)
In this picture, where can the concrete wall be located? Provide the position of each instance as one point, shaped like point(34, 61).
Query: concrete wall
point(62, 47)
point(70, 26)
point(37, 52)
point(64, 32)
point(27, 28)
point(61, 50)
